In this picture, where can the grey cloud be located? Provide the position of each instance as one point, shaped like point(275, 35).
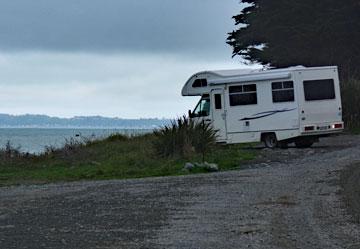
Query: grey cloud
point(75, 84)
point(116, 25)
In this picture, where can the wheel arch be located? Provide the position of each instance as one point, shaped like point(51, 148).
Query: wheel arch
point(264, 134)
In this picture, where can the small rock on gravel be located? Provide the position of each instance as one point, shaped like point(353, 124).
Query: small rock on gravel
point(210, 167)
point(189, 166)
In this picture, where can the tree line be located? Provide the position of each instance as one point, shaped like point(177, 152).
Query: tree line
point(285, 33)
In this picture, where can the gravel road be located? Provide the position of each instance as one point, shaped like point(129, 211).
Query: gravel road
point(286, 199)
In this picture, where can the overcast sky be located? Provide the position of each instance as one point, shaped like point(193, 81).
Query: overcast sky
point(123, 58)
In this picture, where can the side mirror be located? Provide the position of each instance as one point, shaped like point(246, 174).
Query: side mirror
point(190, 114)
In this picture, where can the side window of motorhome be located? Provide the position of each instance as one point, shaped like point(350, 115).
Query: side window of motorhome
point(217, 98)
point(243, 95)
point(283, 91)
point(203, 107)
point(200, 83)
point(319, 89)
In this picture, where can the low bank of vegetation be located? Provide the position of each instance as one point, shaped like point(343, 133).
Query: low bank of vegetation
point(351, 103)
point(162, 153)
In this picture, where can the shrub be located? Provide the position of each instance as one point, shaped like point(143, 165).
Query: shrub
point(71, 145)
point(9, 151)
point(116, 137)
point(183, 137)
point(50, 150)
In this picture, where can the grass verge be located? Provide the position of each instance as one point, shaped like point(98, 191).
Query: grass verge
point(117, 157)
point(355, 131)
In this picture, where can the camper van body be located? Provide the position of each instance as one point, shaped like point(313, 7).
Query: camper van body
point(296, 104)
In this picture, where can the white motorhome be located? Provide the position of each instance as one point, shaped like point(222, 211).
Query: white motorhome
point(277, 106)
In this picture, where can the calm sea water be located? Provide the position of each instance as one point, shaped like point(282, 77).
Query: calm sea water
point(34, 140)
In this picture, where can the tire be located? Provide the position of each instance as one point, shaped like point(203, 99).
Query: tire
point(304, 143)
point(270, 140)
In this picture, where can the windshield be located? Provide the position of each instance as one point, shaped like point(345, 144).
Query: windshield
point(203, 108)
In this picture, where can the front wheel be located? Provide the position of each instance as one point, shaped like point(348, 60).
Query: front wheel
point(270, 140)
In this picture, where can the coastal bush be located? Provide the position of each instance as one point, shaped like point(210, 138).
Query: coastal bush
point(351, 102)
point(117, 137)
point(183, 137)
point(10, 151)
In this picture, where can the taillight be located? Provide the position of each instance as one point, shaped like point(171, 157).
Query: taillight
point(338, 126)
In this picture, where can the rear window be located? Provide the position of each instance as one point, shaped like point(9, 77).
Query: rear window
point(319, 89)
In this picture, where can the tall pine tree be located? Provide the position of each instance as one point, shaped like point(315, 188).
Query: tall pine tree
point(285, 33)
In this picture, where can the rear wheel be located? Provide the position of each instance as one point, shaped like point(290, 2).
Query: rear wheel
point(270, 140)
point(304, 143)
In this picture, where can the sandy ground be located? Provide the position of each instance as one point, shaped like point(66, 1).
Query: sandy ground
point(295, 198)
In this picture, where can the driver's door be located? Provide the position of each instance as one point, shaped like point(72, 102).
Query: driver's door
point(201, 112)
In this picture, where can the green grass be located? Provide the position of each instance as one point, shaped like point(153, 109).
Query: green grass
point(117, 157)
point(355, 131)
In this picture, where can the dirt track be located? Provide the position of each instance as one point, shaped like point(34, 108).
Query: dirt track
point(288, 199)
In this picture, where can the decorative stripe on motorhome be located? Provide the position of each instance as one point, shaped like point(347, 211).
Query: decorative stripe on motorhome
point(266, 114)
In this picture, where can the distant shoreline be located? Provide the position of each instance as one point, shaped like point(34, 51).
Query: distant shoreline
point(30, 121)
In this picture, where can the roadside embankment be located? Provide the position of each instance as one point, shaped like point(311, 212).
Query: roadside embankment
point(350, 183)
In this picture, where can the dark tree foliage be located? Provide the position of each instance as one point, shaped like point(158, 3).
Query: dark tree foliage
point(286, 33)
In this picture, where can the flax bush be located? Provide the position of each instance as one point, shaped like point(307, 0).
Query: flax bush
point(184, 137)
